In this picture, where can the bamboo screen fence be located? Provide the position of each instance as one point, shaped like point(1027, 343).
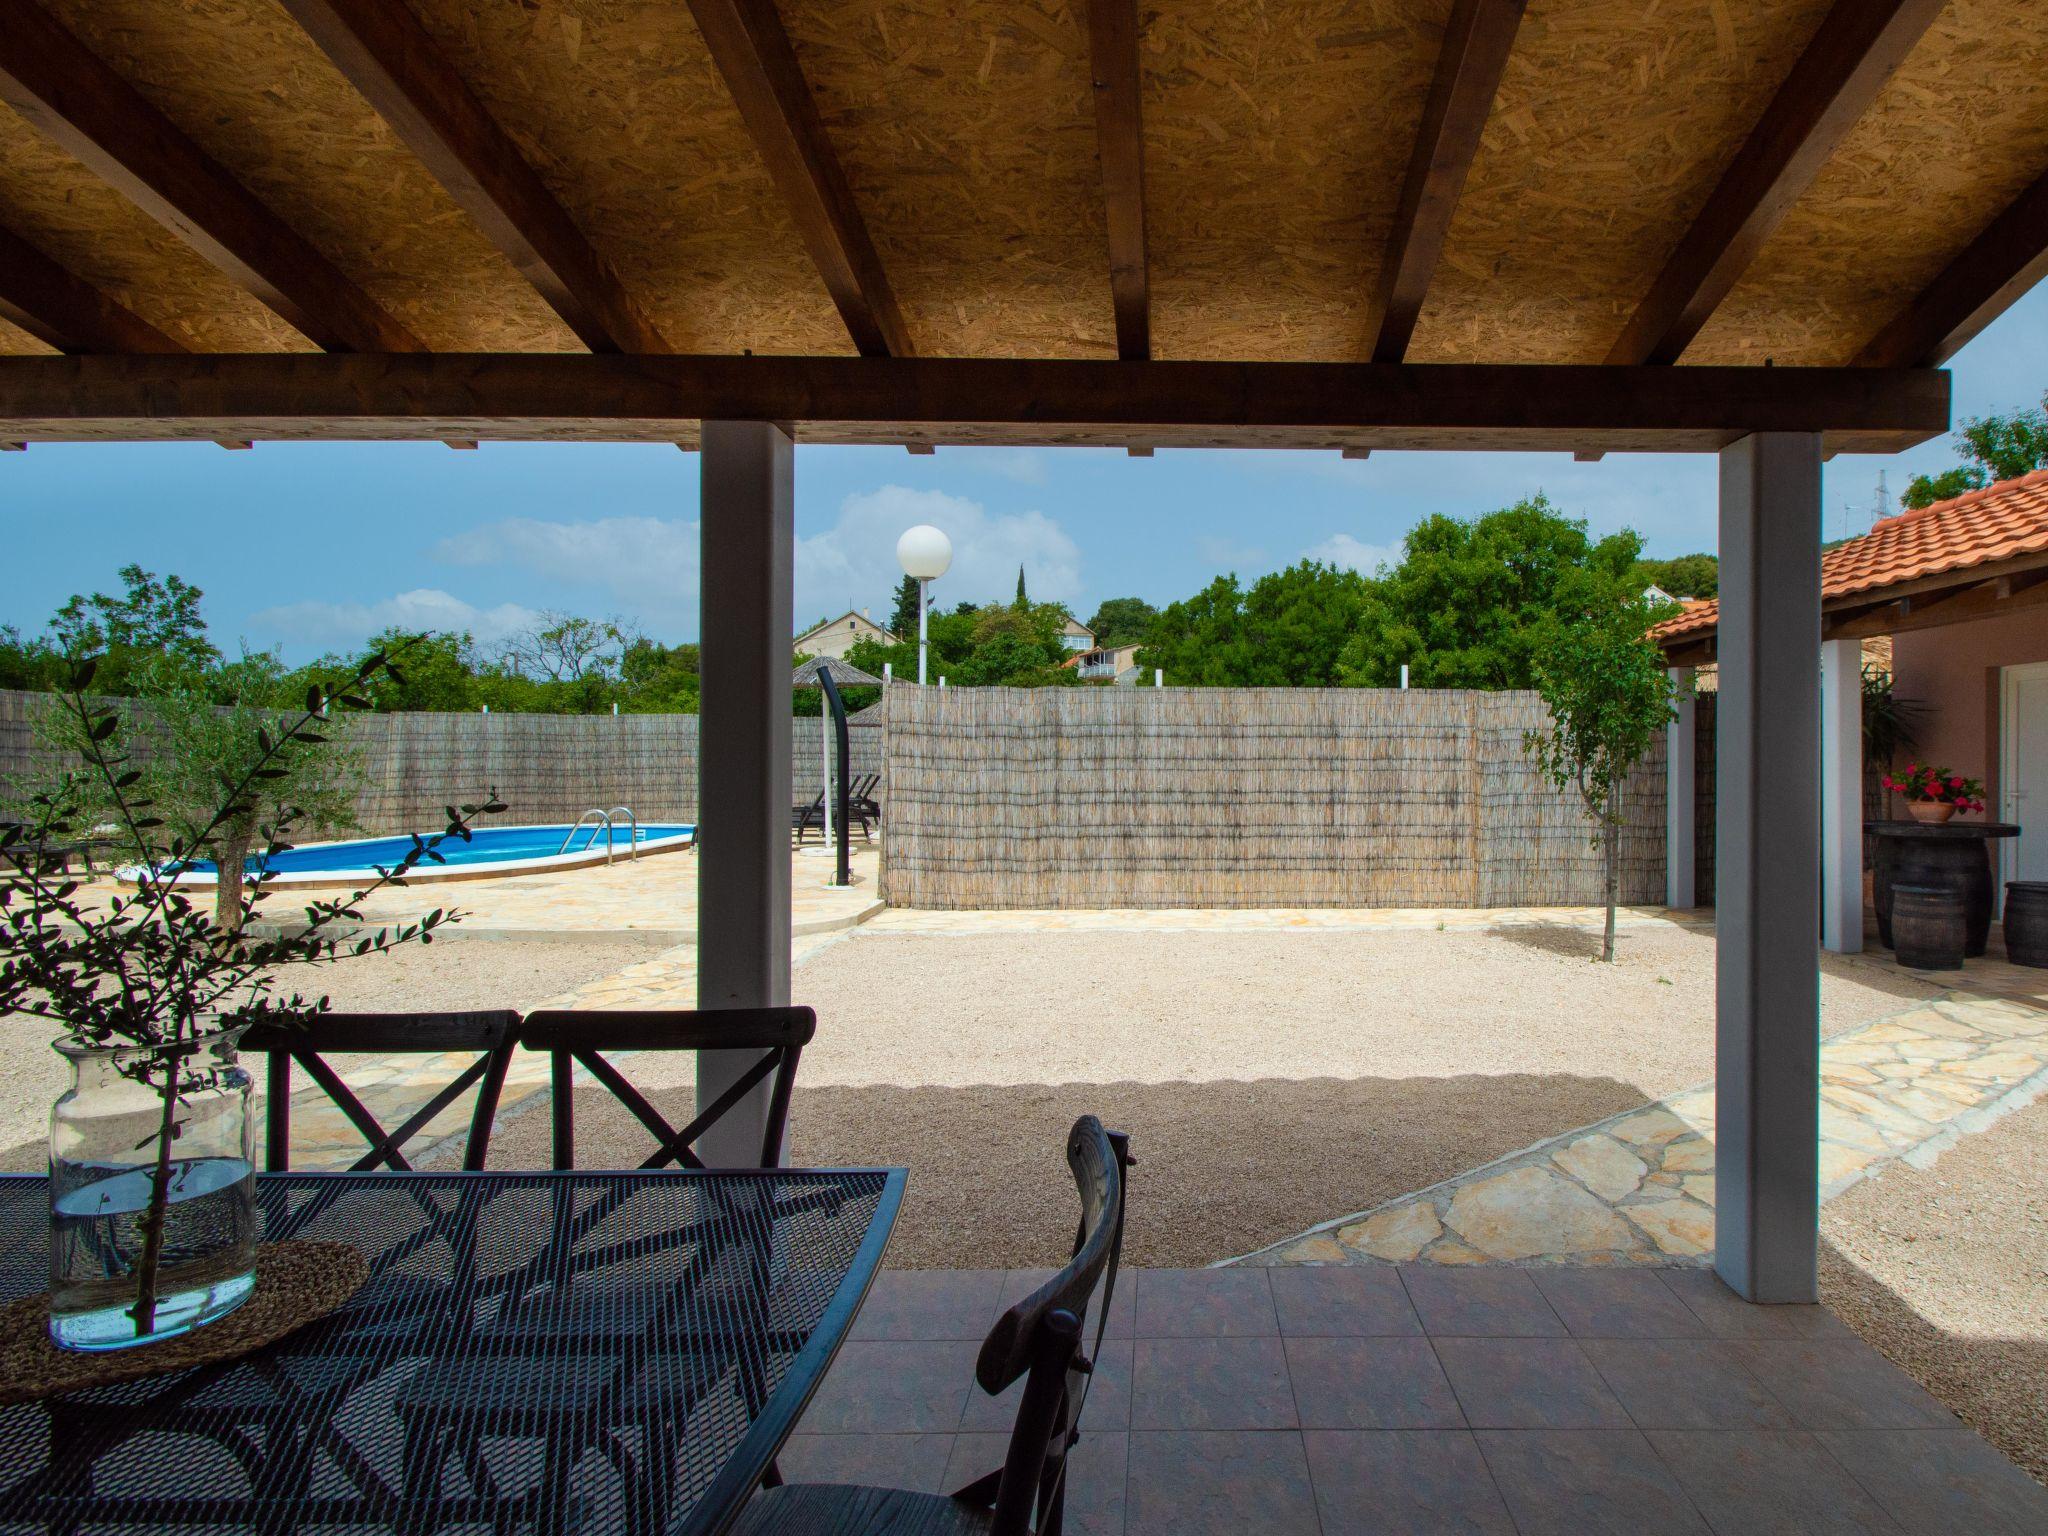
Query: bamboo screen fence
point(547, 768)
point(1065, 797)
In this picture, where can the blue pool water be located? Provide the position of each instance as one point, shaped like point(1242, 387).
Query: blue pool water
point(487, 845)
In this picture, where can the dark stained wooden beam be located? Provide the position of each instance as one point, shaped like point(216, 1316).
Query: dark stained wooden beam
point(2002, 263)
point(1475, 50)
point(1357, 453)
point(56, 83)
point(963, 400)
point(753, 53)
point(1120, 141)
point(64, 311)
point(389, 57)
point(1139, 451)
point(10, 447)
point(1587, 456)
point(1983, 601)
point(1857, 46)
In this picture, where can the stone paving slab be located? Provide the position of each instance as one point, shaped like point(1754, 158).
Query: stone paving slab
point(1638, 1187)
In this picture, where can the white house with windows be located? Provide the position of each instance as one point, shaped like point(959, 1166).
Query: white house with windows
point(835, 637)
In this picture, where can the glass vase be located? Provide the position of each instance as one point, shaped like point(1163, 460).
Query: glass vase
point(109, 1158)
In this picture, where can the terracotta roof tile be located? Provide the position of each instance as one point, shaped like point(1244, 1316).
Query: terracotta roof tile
point(2000, 522)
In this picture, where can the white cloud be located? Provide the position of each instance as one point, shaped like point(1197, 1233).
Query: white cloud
point(1347, 553)
point(648, 566)
point(853, 563)
point(343, 625)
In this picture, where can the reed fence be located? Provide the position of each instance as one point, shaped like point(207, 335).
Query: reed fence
point(546, 768)
point(1239, 798)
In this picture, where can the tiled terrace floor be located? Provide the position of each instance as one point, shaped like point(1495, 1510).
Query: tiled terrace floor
point(1423, 1400)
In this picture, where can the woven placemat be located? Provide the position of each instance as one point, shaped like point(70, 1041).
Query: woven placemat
point(296, 1283)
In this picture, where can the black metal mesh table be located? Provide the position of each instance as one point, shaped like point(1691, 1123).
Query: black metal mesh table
point(589, 1352)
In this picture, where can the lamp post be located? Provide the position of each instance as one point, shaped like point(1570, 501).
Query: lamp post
point(925, 555)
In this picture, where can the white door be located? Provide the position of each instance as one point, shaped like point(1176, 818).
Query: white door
point(2023, 771)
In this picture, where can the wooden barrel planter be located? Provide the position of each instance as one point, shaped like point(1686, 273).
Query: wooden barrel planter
point(2026, 922)
point(1930, 927)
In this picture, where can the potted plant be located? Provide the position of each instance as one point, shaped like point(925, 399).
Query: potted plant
point(1933, 794)
point(152, 1180)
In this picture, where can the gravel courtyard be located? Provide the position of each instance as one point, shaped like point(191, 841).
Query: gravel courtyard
point(1269, 1080)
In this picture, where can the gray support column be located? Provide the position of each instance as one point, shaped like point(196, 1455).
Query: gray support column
point(743, 730)
point(1841, 795)
point(1767, 869)
point(1681, 879)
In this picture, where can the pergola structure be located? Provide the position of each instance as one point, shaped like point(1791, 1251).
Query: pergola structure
point(1748, 227)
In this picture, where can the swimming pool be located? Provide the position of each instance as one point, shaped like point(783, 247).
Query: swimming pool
point(489, 852)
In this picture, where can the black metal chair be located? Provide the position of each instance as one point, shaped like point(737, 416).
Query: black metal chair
point(580, 1037)
point(1038, 1339)
point(492, 1033)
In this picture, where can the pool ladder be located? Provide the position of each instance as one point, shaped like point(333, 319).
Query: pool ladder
point(595, 818)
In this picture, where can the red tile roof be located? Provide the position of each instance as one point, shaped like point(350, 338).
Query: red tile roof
point(2000, 522)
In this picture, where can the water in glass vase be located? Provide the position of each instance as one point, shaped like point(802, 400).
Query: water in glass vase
point(207, 1265)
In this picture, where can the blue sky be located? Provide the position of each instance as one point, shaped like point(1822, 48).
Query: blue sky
point(312, 546)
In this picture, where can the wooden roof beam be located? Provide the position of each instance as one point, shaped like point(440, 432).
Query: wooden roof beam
point(1857, 46)
point(2002, 263)
point(64, 311)
point(753, 53)
point(394, 62)
point(1476, 44)
point(964, 400)
point(57, 84)
point(1120, 143)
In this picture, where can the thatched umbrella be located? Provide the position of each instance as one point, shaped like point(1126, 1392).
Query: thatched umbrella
point(844, 673)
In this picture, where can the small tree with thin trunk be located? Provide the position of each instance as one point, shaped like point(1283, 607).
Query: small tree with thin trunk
point(1609, 695)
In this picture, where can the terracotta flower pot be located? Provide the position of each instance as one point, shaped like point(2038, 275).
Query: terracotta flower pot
point(1932, 812)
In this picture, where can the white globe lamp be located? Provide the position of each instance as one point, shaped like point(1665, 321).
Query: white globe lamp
point(926, 554)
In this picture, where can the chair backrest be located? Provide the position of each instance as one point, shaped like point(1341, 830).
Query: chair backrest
point(1040, 1338)
point(580, 1037)
point(307, 1043)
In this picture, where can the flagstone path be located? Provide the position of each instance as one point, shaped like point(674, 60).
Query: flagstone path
point(1638, 1187)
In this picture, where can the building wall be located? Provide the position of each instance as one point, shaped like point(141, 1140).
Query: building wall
point(1953, 675)
point(837, 638)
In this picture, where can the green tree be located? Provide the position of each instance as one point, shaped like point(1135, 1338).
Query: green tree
point(1609, 695)
point(1287, 631)
point(33, 664)
point(200, 729)
point(1022, 600)
point(1997, 448)
point(903, 620)
point(151, 619)
point(1123, 621)
point(1681, 576)
point(660, 679)
point(1472, 603)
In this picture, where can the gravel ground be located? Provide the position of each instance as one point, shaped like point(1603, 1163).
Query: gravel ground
point(1269, 1081)
point(1945, 1270)
point(449, 974)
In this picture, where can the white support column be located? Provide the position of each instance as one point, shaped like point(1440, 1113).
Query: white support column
point(745, 773)
point(1767, 870)
point(1681, 881)
point(1841, 795)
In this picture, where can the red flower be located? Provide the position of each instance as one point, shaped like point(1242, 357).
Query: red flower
point(1955, 783)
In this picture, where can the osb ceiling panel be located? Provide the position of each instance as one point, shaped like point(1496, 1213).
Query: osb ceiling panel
point(78, 221)
point(967, 131)
point(15, 342)
point(253, 91)
point(1956, 134)
point(619, 108)
point(1277, 133)
point(1614, 122)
